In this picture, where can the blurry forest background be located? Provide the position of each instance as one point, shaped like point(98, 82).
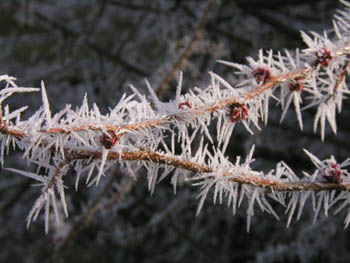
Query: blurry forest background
point(98, 48)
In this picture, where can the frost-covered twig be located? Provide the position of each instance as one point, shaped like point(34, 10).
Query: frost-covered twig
point(160, 136)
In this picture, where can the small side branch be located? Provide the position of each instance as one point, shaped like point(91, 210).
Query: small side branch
point(6, 130)
point(188, 48)
point(341, 76)
point(83, 221)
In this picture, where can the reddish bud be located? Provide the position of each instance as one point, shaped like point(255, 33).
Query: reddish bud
point(296, 86)
point(185, 105)
point(261, 74)
point(108, 141)
point(237, 112)
point(323, 57)
point(332, 174)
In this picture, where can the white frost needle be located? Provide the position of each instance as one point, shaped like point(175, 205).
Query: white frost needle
point(46, 104)
point(102, 164)
point(29, 175)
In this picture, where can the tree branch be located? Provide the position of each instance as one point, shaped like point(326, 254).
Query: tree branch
point(187, 51)
point(154, 157)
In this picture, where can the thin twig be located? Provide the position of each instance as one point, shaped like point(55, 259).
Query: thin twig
point(187, 51)
point(126, 187)
point(270, 83)
point(269, 183)
point(341, 76)
point(174, 161)
point(198, 111)
point(83, 221)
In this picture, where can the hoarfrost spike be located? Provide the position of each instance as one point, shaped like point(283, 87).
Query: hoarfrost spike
point(46, 104)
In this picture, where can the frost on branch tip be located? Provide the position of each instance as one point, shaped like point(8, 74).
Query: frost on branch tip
point(312, 77)
point(48, 197)
point(46, 104)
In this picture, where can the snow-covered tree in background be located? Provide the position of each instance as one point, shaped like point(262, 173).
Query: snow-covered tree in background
point(188, 139)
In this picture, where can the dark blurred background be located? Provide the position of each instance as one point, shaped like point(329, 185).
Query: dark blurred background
point(99, 48)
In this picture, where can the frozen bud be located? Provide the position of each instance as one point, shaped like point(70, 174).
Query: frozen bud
point(237, 112)
point(185, 105)
point(261, 74)
point(296, 85)
point(332, 173)
point(108, 141)
point(323, 57)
